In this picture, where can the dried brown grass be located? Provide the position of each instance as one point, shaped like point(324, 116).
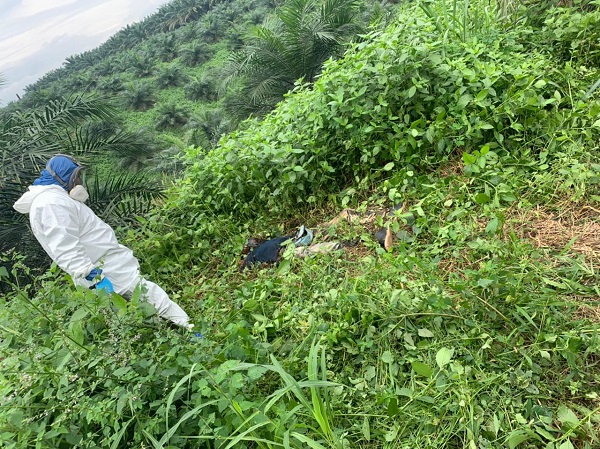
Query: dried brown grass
point(572, 229)
point(588, 312)
point(454, 167)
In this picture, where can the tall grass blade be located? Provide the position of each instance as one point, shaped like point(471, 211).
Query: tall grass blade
point(591, 90)
point(115, 443)
point(183, 380)
point(319, 409)
point(304, 439)
point(171, 431)
point(153, 440)
point(242, 436)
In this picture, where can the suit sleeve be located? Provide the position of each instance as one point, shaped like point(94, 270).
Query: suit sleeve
point(56, 227)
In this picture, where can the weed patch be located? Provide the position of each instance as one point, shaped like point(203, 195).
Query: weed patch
point(478, 328)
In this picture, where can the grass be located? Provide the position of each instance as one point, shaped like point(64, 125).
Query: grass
point(478, 329)
point(432, 352)
point(461, 336)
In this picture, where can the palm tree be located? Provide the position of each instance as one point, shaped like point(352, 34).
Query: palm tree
point(171, 116)
point(211, 28)
point(214, 123)
point(139, 96)
point(103, 68)
point(81, 61)
point(140, 64)
point(200, 89)
point(81, 81)
point(194, 54)
point(166, 47)
point(187, 33)
point(169, 76)
point(28, 139)
point(40, 96)
point(110, 85)
point(134, 34)
point(291, 47)
point(141, 157)
point(180, 12)
point(119, 199)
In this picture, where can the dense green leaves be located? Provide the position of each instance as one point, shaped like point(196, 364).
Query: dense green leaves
point(408, 97)
point(471, 331)
point(427, 355)
point(575, 34)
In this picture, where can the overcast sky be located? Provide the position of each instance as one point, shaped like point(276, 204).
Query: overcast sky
point(36, 36)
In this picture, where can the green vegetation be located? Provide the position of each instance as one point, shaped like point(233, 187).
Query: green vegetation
point(291, 47)
point(184, 49)
point(479, 328)
point(164, 85)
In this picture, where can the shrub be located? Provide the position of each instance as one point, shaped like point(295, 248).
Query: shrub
point(406, 98)
point(575, 35)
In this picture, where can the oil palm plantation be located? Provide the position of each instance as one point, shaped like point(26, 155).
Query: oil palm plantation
point(292, 46)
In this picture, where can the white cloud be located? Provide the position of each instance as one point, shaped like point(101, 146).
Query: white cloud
point(36, 36)
point(27, 8)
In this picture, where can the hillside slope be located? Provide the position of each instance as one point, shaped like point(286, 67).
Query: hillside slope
point(165, 74)
point(478, 328)
point(162, 72)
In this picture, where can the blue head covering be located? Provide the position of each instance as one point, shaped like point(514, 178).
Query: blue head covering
point(60, 170)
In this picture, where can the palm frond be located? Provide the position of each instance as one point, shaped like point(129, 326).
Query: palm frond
point(118, 199)
point(12, 223)
point(29, 139)
point(293, 46)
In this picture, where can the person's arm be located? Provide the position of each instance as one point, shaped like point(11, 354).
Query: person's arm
point(56, 227)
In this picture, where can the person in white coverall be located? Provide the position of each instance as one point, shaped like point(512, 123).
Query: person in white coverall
point(81, 243)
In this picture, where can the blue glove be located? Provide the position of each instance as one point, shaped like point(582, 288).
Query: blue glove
point(196, 337)
point(105, 285)
point(95, 272)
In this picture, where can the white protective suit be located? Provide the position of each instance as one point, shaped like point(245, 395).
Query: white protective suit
point(78, 241)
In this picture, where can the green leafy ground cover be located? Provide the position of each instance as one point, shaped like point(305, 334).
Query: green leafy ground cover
point(477, 329)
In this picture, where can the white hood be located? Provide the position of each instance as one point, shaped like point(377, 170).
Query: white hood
point(23, 204)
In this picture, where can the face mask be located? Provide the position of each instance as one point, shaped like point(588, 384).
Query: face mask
point(79, 193)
